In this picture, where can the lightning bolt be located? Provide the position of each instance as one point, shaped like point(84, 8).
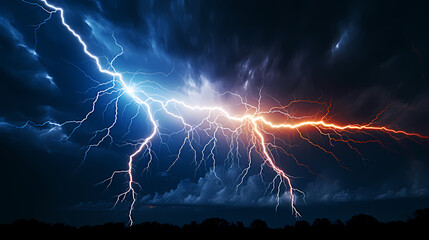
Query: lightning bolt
point(254, 128)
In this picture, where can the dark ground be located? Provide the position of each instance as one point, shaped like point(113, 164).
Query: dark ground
point(361, 225)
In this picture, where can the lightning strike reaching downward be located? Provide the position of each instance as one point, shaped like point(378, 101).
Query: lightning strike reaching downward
point(257, 129)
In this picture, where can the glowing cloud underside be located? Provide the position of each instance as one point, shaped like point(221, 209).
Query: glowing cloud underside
point(260, 130)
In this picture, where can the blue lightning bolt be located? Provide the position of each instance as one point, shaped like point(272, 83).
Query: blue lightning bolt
point(116, 77)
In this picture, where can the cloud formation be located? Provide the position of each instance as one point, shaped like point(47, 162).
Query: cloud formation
point(210, 190)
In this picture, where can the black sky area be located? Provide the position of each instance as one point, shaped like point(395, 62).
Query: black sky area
point(362, 56)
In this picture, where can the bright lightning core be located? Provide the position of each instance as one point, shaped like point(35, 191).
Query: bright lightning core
point(247, 129)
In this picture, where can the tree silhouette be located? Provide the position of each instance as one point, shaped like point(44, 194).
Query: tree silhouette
point(359, 225)
point(258, 224)
point(302, 225)
point(421, 215)
point(362, 220)
point(215, 223)
point(321, 223)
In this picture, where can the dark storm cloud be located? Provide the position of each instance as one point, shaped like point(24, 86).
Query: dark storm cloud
point(24, 73)
point(209, 190)
point(358, 52)
point(305, 48)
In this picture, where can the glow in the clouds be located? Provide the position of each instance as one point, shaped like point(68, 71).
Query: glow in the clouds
point(256, 126)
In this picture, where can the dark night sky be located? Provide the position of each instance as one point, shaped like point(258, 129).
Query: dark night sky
point(362, 55)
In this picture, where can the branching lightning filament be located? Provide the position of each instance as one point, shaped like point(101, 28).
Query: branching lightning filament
point(256, 129)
